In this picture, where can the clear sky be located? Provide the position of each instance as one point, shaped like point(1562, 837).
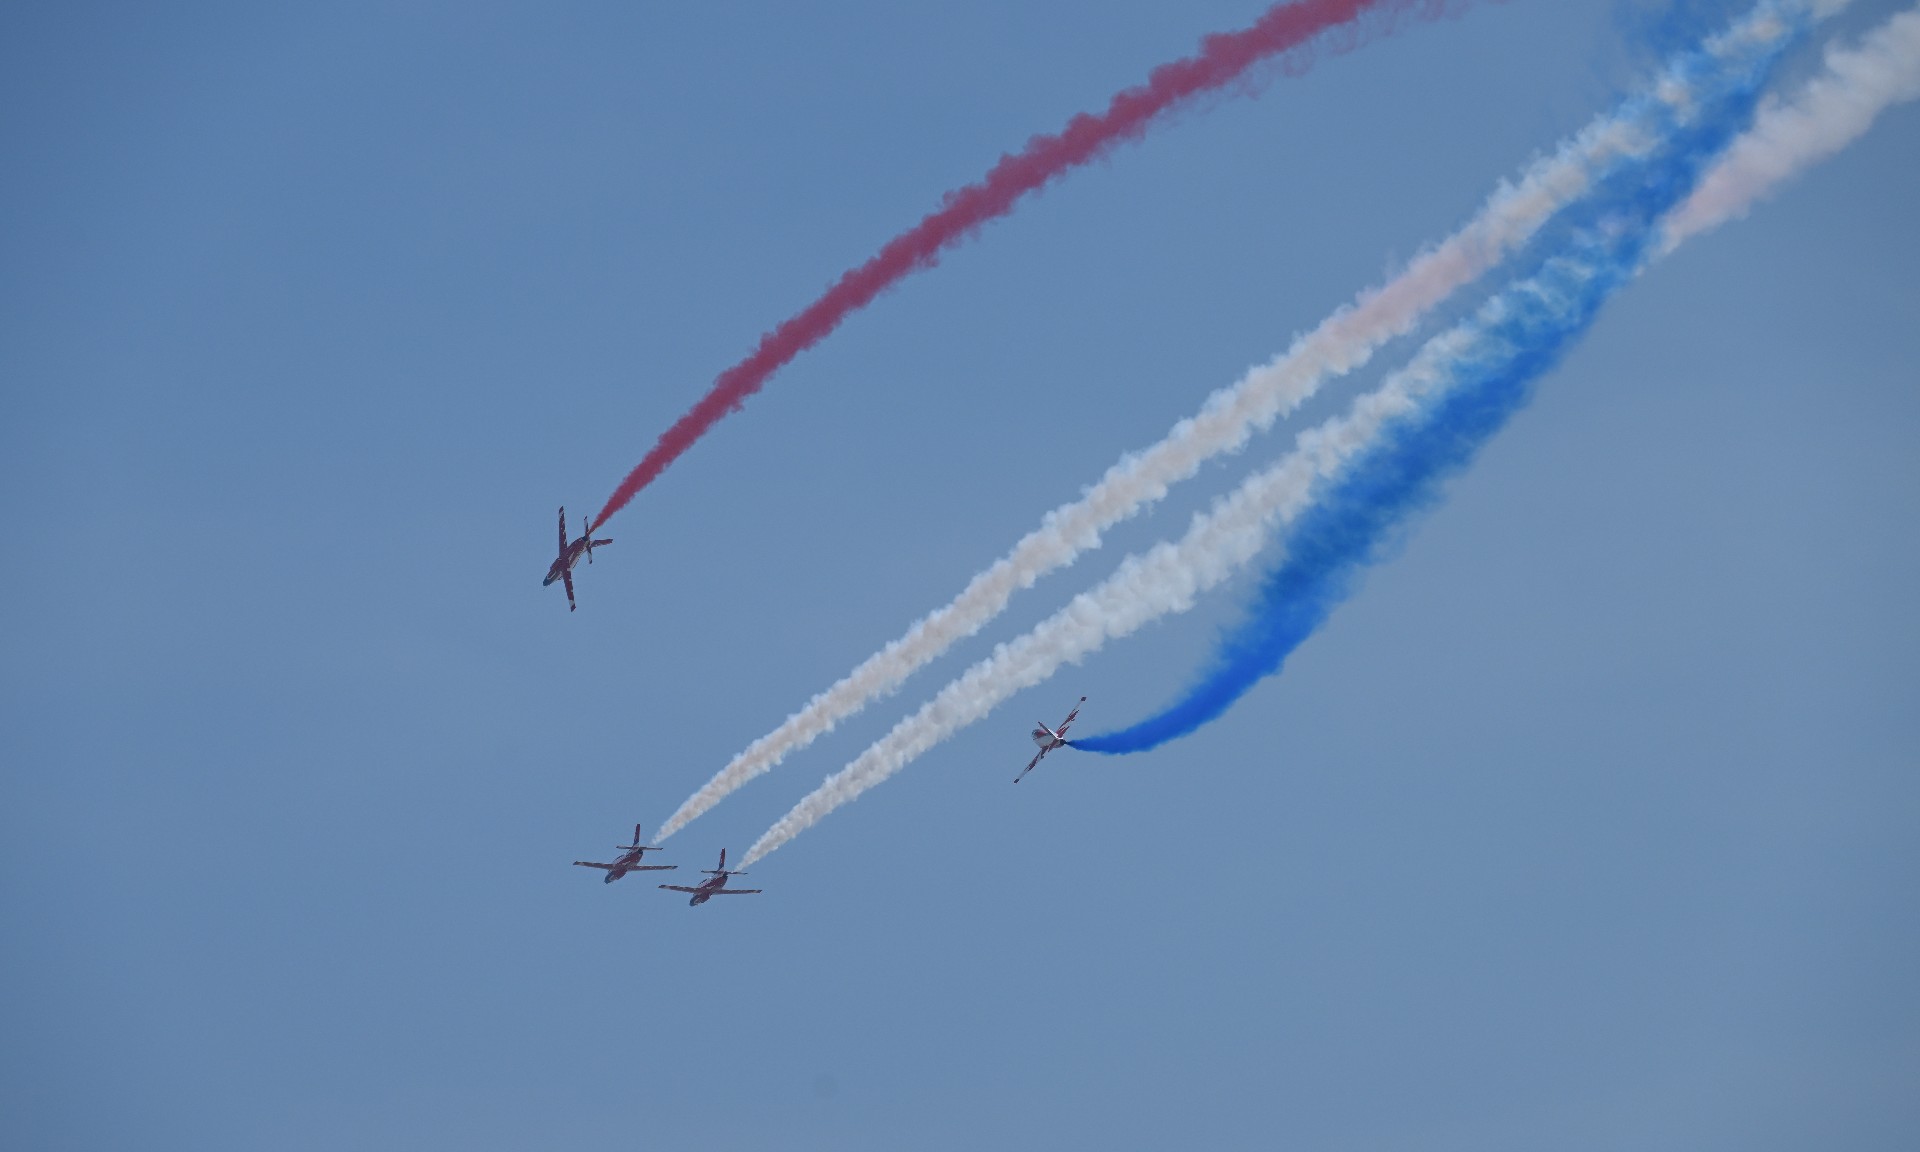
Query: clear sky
point(1587, 824)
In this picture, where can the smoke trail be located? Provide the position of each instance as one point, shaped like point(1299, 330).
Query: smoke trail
point(1831, 112)
point(1456, 393)
point(1328, 548)
point(1222, 59)
point(1345, 341)
point(1361, 518)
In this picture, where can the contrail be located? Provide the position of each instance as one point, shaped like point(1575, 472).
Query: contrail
point(1342, 342)
point(1224, 58)
point(1327, 550)
point(1437, 423)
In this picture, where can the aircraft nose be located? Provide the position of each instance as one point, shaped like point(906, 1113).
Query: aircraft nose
point(547, 581)
point(607, 879)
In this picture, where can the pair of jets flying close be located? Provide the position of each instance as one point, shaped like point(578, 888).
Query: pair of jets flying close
point(632, 854)
point(630, 859)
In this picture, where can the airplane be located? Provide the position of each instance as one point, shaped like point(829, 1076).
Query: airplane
point(562, 568)
point(629, 860)
point(714, 887)
point(1049, 739)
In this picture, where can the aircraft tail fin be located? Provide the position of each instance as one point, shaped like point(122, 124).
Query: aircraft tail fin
point(722, 870)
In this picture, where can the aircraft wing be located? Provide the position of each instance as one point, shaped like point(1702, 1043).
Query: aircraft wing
point(589, 864)
point(563, 531)
point(1062, 730)
point(567, 575)
point(651, 867)
point(1036, 759)
point(683, 888)
point(731, 891)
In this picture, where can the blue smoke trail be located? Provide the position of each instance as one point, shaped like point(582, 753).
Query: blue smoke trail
point(1518, 338)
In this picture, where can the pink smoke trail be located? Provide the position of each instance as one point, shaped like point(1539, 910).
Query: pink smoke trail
point(1222, 59)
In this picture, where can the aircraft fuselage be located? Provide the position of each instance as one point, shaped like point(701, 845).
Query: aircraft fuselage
point(566, 560)
point(622, 866)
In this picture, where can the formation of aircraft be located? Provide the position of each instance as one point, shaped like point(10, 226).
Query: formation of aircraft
point(562, 567)
point(1049, 739)
point(629, 860)
point(632, 855)
point(707, 889)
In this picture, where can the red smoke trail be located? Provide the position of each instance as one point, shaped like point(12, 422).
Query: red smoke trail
point(1222, 59)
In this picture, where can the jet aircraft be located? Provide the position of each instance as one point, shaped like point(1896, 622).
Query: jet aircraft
point(562, 567)
point(629, 860)
point(714, 887)
point(1049, 739)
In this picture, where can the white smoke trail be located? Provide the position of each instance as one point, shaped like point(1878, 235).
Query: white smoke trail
point(1343, 342)
point(1832, 111)
point(1168, 577)
point(1164, 580)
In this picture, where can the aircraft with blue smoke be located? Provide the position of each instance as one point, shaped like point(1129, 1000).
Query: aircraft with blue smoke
point(1049, 739)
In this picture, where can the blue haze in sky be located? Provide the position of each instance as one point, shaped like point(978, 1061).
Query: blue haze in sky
point(1588, 824)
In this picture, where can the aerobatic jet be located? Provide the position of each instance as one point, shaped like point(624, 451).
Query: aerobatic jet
point(562, 567)
point(1049, 739)
point(714, 887)
point(629, 860)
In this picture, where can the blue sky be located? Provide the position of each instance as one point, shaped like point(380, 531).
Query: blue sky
point(1586, 823)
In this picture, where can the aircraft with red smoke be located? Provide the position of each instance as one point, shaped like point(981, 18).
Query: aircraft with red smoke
point(717, 886)
point(629, 860)
point(570, 553)
point(1049, 739)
